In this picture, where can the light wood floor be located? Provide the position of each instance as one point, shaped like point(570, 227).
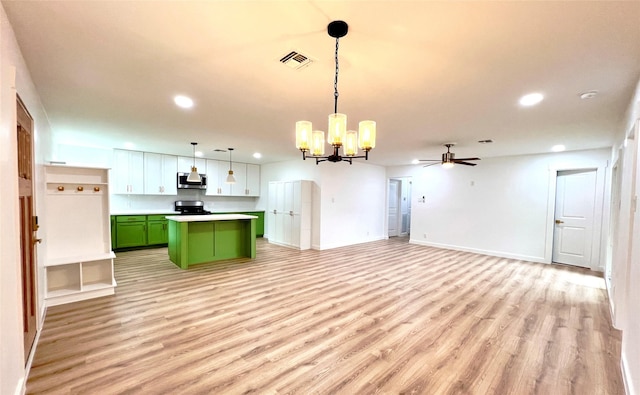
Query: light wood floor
point(382, 317)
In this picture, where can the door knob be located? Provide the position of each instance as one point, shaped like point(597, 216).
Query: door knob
point(559, 222)
point(37, 241)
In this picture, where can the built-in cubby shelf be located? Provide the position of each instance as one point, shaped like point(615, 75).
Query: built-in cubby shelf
point(79, 260)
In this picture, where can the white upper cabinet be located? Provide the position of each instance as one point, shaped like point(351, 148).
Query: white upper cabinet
point(240, 174)
point(247, 179)
point(185, 164)
point(149, 173)
point(160, 174)
point(128, 172)
point(213, 183)
point(253, 180)
point(223, 172)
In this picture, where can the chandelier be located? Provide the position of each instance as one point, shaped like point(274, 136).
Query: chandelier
point(311, 142)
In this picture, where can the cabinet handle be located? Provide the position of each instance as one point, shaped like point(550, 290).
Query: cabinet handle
point(96, 189)
point(60, 188)
point(291, 213)
point(80, 189)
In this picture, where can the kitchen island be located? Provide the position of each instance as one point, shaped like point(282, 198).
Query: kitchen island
point(195, 239)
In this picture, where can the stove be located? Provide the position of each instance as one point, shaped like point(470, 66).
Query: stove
point(190, 207)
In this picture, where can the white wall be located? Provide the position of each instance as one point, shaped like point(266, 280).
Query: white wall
point(499, 207)
point(353, 204)
point(626, 273)
point(12, 358)
point(348, 200)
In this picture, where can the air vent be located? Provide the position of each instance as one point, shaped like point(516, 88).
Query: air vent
point(295, 60)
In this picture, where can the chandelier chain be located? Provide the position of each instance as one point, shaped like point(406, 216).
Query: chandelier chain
point(335, 82)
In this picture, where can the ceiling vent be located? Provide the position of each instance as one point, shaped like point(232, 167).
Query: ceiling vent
point(295, 60)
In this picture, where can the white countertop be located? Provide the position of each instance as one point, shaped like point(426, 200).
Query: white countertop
point(210, 217)
point(144, 212)
point(168, 212)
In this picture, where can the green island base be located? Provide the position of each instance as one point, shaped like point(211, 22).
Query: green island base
point(196, 239)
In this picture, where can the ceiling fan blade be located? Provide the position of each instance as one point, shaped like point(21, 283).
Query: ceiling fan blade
point(429, 160)
point(431, 164)
point(467, 158)
point(459, 162)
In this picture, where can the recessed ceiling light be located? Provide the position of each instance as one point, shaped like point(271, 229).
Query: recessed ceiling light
point(588, 95)
point(558, 148)
point(531, 99)
point(257, 155)
point(183, 101)
point(415, 162)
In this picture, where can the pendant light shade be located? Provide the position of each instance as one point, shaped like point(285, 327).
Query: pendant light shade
point(350, 144)
point(317, 146)
point(303, 135)
point(337, 129)
point(230, 178)
point(367, 135)
point(193, 175)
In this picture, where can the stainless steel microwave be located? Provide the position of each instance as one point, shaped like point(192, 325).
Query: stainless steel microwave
point(184, 184)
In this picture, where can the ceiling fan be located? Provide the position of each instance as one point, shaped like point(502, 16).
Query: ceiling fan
point(449, 159)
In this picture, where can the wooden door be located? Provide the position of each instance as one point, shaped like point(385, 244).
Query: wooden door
point(28, 225)
point(575, 204)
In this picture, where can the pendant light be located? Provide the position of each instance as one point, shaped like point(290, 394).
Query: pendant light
point(312, 141)
point(194, 176)
point(230, 178)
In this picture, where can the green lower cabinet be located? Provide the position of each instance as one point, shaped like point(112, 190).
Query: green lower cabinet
point(157, 230)
point(259, 222)
point(130, 234)
point(131, 231)
point(113, 232)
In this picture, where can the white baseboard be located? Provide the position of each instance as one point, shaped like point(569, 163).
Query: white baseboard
point(21, 388)
point(338, 245)
point(499, 254)
point(626, 376)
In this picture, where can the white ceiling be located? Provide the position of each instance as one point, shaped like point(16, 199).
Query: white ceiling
point(428, 72)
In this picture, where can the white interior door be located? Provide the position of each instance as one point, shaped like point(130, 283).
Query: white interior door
point(574, 217)
point(394, 208)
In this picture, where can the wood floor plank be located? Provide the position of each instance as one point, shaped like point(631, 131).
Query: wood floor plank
point(381, 317)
